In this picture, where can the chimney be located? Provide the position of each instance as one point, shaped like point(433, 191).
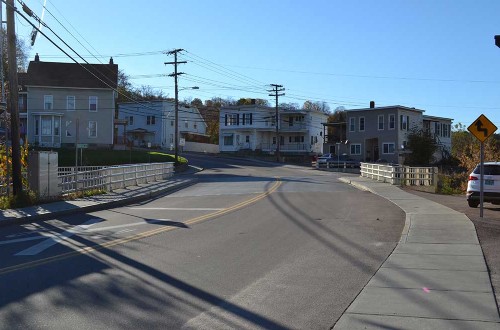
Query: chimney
point(37, 58)
point(111, 60)
point(372, 104)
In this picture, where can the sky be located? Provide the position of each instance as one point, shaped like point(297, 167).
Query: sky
point(434, 55)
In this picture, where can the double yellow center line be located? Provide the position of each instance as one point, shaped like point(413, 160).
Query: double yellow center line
point(89, 249)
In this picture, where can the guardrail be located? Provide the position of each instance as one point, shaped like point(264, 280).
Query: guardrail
point(400, 175)
point(113, 177)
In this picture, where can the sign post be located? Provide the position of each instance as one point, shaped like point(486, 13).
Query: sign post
point(482, 128)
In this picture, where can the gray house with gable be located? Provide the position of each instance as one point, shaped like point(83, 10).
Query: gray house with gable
point(68, 103)
point(378, 133)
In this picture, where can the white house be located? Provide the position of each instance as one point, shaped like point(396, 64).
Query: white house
point(153, 123)
point(253, 127)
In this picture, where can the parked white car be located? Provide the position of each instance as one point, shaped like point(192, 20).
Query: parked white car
point(491, 188)
point(322, 160)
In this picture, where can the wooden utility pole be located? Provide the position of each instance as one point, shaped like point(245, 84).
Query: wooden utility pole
point(276, 89)
point(17, 184)
point(175, 74)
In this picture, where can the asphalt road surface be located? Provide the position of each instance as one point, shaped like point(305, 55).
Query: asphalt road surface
point(250, 246)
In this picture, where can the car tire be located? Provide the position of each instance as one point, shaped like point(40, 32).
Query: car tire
point(473, 204)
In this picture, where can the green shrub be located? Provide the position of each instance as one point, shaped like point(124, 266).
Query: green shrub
point(24, 199)
point(452, 184)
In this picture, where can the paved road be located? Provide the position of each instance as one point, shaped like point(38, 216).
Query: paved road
point(487, 228)
point(249, 246)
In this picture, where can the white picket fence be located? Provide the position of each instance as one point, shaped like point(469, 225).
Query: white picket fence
point(400, 175)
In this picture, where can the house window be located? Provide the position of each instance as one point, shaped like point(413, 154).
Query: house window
point(228, 140)
point(352, 124)
point(405, 120)
point(392, 121)
point(37, 127)
point(46, 126)
point(171, 138)
point(48, 102)
point(92, 103)
point(290, 139)
point(355, 149)
point(437, 129)
point(388, 148)
point(247, 119)
point(56, 127)
point(150, 120)
point(247, 139)
point(361, 124)
point(446, 130)
point(185, 124)
point(381, 122)
point(171, 123)
point(23, 99)
point(232, 119)
point(70, 103)
point(195, 126)
point(92, 129)
point(274, 139)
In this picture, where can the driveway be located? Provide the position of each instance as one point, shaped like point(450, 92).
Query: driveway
point(487, 228)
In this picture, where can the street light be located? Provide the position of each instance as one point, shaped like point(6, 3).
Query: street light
point(176, 136)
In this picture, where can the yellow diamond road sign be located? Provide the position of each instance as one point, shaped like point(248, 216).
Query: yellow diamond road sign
point(482, 128)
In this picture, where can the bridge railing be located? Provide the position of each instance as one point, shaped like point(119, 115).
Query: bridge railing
point(400, 175)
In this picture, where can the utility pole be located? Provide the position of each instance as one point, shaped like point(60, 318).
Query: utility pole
point(276, 92)
point(4, 104)
point(17, 184)
point(175, 74)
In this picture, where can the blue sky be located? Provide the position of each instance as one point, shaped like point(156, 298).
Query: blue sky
point(435, 55)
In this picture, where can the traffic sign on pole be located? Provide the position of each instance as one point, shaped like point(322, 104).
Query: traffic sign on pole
point(482, 128)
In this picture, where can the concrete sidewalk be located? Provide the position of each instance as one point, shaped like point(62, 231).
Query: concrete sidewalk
point(116, 198)
point(436, 278)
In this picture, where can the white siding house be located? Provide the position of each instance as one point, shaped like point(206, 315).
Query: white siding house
point(253, 127)
point(153, 123)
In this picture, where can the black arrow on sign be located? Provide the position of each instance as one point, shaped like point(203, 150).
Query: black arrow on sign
point(480, 128)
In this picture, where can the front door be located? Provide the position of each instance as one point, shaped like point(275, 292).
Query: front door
point(375, 153)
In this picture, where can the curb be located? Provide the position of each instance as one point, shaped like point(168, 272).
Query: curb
point(98, 206)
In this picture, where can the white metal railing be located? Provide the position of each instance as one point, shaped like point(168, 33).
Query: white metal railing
point(400, 175)
point(111, 177)
point(284, 147)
